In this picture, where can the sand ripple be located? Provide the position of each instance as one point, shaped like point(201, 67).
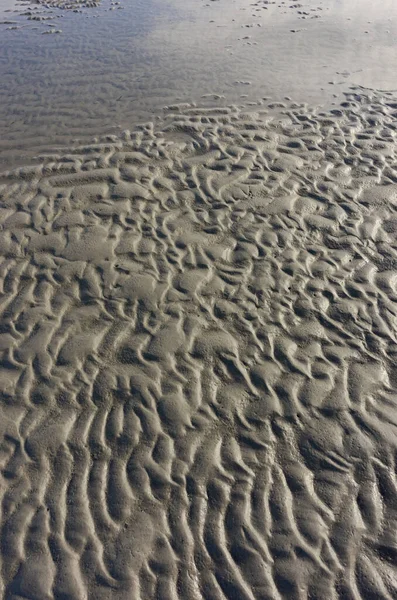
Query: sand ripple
point(198, 339)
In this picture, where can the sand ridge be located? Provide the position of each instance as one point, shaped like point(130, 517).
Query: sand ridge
point(198, 333)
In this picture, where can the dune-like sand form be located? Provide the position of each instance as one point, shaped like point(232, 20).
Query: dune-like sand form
point(198, 336)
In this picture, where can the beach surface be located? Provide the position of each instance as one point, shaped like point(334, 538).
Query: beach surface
point(198, 302)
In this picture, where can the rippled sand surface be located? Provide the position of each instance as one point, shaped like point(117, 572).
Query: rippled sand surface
point(198, 336)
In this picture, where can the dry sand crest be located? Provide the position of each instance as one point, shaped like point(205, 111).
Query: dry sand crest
point(198, 334)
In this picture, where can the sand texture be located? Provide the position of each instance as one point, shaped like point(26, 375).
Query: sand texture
point(198, 350)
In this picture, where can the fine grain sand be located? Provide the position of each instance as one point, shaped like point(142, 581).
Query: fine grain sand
point(198, 337)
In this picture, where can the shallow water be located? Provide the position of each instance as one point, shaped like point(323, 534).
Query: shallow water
point(114, 65)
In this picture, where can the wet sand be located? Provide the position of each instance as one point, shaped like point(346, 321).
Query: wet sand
point(198, 330)
point(199, 336)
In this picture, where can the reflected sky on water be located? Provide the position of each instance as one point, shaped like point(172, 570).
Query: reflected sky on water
point(112, 66)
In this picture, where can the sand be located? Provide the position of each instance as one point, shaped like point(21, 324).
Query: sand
point(198, 336)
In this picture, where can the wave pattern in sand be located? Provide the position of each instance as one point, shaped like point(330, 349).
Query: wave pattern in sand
point(68, 4)
point(198, 337)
